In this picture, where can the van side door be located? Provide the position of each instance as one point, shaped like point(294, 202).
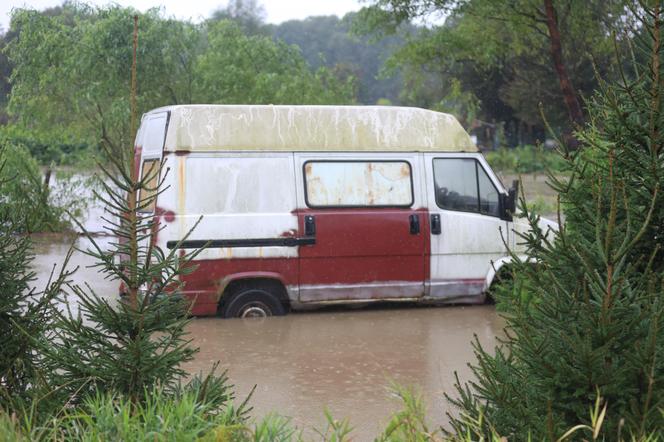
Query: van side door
point(364, 215)
point(242, 206)
point(463, 198)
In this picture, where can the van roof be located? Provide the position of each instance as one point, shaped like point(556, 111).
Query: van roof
point(312, 128)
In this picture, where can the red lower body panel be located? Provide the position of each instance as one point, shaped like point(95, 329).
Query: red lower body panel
point(358, 254)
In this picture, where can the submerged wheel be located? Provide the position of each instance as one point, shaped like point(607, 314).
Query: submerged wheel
point(252, 303)
point(501, 285)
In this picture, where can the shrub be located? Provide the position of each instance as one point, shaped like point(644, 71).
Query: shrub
point(24, 311)
point(26, 196)
point(525, 159)
point(48, 147)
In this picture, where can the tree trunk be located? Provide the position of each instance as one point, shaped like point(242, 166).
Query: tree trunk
point(569, 94)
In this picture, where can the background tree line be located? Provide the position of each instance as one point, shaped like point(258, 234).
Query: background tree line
point(493, 64)
point(69, 64)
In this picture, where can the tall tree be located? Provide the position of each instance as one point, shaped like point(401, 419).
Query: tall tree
point(78, 60)
point(5, 72)
point(538, 48)
point(569, 93)
point(137, 346)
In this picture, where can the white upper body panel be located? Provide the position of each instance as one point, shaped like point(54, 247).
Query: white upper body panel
point(311, 128)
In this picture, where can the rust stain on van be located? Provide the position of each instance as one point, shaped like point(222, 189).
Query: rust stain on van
point(405, 171)
point(181, 189)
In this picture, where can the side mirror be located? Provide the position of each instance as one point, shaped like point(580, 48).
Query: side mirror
point(509, 201)
point(513, 195)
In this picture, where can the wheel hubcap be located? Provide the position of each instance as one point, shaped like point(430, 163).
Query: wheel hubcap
point(256, 310)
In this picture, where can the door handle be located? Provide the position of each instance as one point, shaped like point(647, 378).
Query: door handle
point(435, 224)
point(414, 224)
point(309, 225)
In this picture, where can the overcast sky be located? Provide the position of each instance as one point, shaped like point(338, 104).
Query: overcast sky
point(277, 10)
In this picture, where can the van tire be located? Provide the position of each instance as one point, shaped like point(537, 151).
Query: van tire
point(252, 303)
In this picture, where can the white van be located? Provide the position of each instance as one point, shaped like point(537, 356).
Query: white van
point(312, 205)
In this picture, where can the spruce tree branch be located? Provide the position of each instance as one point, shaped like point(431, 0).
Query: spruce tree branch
point(644, 226)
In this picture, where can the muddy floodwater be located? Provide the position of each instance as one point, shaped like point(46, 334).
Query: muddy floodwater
point(343, 360)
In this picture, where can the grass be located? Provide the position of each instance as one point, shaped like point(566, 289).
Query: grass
point(530, 165)
point(525, 159)
point(164, 417)
point(541, 199)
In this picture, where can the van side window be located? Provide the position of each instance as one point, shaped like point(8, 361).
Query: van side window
point(358, 184)
point(462, 184)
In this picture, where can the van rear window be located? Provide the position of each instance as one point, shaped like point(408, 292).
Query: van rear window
point(153, 131)
point(150, 170)
point(358, 184)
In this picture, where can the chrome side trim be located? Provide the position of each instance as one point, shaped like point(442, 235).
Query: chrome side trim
point(366, 292)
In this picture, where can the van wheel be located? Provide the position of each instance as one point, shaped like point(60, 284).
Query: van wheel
point(501, 285)
point(252, 303)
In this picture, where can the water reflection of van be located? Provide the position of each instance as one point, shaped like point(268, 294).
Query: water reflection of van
point(314, 205)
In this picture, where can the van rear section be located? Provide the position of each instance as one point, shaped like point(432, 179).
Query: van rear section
point(302, 206)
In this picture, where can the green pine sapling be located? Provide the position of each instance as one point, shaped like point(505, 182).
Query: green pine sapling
point(140, 343)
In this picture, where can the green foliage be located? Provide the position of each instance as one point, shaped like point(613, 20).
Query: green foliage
point(127, 350)
point(33, 202)
point(587, 326)
point(78, 60)
point(5, 72)
point(49, 147)
point(163, 417)
point(526, 159)
point(255, 69)
point(542, 207)
point(274, 428)
point(121, 348)
point(131, 347)
point(109, 417)
point(408, 424)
